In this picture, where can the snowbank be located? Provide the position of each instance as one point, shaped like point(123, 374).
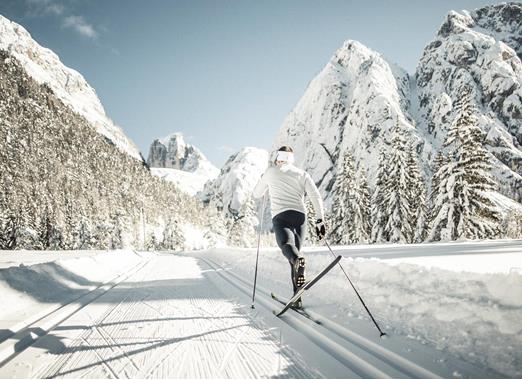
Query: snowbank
point(56, 280)
point(474, 315)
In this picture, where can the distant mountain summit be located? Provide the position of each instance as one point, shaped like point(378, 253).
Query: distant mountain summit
point(172, 152)
point(359, 96)
point(45, 67)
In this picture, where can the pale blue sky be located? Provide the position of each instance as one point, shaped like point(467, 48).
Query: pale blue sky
point(224, 73)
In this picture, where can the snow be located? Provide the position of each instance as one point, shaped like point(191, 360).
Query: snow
point(44, 66)
point(449, 309)
point(190, 183)
point(32, 281)
point(426, 291)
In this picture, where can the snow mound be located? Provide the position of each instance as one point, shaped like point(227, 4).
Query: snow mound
point(44, 66)
point(56, 280)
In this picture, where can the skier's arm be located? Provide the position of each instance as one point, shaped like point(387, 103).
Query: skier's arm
point(313, 193)
point(261, 187)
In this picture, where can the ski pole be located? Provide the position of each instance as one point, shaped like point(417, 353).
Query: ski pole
point(356, 292)
point(258, 244)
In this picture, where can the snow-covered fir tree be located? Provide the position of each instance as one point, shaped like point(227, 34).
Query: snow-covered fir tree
point(351, 205)
point(362, 216)
point(461, 207)
point(397, 197)
point(418, 197)
point(242, 231)
point(342, 205)
point(379, 218)
point(311, 236)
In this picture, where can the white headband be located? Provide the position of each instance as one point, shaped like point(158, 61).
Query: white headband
point(285, 157)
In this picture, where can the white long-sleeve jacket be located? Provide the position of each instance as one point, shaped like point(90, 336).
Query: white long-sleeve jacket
point(287, 186)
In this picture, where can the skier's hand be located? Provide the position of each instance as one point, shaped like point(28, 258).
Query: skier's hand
point(320, 229)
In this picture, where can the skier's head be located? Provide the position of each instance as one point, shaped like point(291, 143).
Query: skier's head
point(284, 155)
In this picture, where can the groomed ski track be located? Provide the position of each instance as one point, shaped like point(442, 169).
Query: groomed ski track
point(177, 316)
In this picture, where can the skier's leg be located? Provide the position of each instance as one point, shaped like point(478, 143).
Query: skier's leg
point(286, 241)
point(299, 230)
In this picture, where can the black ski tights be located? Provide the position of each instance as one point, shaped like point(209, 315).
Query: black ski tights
point(289, 228)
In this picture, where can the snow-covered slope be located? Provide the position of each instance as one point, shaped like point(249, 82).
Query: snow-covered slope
point(190, 183)
point(174, 153)
point(350, 105)
point(358, 96)
point(234, 185)
point(477, 49)
point(69, 86)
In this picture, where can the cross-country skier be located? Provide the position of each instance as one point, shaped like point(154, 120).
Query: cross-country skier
point(287, 186)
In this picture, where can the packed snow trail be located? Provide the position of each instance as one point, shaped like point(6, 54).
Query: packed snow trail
point(168, 320)
point(190, 317)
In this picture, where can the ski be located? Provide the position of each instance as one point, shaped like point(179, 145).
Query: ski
point(301, 311)
point(308, 285)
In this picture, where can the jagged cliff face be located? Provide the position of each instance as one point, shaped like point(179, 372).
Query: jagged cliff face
point(174, 153)
point(480, 49)
point(355, 100)
point(351, 105)
point(70, 87)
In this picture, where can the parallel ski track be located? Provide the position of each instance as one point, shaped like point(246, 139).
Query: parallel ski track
point(368, 352)
point(27, 332)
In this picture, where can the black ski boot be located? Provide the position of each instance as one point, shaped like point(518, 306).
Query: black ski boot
point(299, 271)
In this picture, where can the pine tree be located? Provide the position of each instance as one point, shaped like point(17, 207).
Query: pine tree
point(172, 237)
point(311, 236)
point(461, 207)
point(242, 232)
point(397, 193)
point(379, 218)
point(417, 197)
point(342, 215)
point(362, 205)
point(440, 161)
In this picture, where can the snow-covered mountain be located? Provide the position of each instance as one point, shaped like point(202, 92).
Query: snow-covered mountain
point(350, 105)
point(70, 87)
point(480, 49)
point(358, 96)
point(172, 152)
point(234, 185)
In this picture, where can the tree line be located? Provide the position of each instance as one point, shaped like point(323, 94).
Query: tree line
point(403, 209)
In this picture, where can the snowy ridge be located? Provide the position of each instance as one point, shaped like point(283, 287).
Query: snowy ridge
point(70, 87)
point(237, 179)
point(172, 152)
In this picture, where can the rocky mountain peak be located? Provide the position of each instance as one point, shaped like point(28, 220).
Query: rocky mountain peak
point(173, 152)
